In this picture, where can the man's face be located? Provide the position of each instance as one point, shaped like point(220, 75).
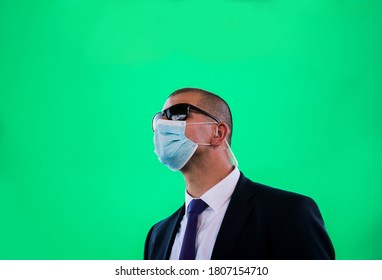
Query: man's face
point(196, 133)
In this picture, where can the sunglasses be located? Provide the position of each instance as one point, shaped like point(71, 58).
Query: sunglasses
point(179, 112)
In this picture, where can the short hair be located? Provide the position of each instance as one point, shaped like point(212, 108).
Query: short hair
point(213, 104)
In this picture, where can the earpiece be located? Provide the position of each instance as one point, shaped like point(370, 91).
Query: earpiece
point(216, 132)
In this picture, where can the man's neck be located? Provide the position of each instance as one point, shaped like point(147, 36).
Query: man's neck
point(199, 179)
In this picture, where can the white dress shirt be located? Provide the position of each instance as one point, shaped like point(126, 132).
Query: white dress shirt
point(210, 220)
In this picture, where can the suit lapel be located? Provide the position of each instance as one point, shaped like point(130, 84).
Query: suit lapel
point(234, 220)
point(173, 229)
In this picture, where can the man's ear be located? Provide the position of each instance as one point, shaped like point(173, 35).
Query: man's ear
point(221, 132)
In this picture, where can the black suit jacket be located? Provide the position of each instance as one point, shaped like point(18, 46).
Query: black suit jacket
point(260, 223)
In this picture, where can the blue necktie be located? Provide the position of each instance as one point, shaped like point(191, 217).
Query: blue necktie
point(195, 207)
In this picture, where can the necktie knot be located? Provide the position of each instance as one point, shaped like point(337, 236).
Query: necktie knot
point(197, 206)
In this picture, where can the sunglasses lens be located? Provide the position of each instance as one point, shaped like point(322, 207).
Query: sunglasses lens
point(177, 112)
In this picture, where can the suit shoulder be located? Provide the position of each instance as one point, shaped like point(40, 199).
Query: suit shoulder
point(267, 195)
point(163, 224)
point(276, 192)
point(161, 235)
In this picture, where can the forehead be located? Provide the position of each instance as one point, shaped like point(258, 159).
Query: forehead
point(188, 97)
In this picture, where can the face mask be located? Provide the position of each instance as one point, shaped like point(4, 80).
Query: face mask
point(172, 146)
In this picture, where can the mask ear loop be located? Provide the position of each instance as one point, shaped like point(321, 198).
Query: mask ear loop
point(231, 155)
point(196, 123)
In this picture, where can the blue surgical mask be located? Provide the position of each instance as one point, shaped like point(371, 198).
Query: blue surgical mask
point(172, 146)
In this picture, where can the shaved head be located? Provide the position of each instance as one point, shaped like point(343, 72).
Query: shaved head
point(213, 104)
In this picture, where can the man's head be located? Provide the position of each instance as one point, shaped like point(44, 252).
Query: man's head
point(205, 100)
point(193, 129)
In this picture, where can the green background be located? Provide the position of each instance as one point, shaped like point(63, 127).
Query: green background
point(80, 81)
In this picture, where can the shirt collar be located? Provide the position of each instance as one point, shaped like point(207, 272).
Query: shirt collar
point(220, 193)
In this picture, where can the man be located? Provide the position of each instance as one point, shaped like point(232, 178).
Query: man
point(225, 216)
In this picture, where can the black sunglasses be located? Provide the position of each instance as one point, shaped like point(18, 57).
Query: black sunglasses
point(179, 112)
